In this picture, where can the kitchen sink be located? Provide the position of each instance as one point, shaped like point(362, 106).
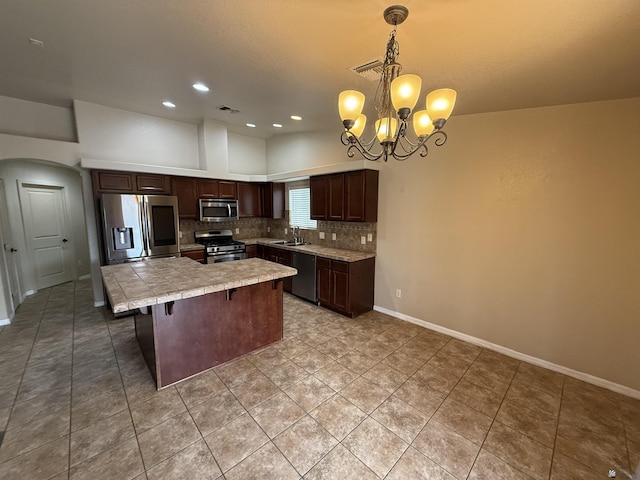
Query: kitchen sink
point(289, 243)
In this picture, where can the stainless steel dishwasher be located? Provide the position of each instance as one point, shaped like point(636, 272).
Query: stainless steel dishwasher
point(303, 284)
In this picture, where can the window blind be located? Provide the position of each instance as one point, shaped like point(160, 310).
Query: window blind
point(300, 208)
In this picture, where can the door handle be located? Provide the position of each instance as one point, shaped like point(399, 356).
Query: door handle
point(64, 240)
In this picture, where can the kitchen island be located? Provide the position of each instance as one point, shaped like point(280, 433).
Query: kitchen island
point(191, 317)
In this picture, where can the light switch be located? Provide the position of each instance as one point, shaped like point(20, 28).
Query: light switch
point(363, 240)
point(333, 236)
point(370, 237)
point(268, 229)
point(237, 230)
point(321, 235)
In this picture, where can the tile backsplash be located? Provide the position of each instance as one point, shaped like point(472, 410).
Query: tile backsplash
point(348, 235)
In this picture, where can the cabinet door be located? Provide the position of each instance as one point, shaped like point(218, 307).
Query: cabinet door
point(227, 189)
point(252, 251)
point(249, 200)
point(208, 188)
point(319, 190)
point(266, 191)
point(278, 201)
point(197, 255)
point(323, 280)
point(186, 189)
point(340, 285)
point(147, 183)
point(336, 197)
point(361, 196)
point(113, 181)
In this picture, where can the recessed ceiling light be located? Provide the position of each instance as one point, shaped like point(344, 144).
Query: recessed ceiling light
point(169, 104)
point(277, 125)
point(201, 87)
point(296, 117)
point(251, 125)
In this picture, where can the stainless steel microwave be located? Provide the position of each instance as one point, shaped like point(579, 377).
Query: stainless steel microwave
point(218, 209)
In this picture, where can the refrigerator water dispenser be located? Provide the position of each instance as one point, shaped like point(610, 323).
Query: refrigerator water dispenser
point(122, 238)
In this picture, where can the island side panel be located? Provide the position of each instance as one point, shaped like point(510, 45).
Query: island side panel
point(205, 331)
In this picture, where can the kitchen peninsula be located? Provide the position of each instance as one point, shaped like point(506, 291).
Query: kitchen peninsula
point(191, 317)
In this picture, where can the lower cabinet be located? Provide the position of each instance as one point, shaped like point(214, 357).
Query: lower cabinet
point(197, 255)
point(281, 256)
point(252, 251)
point(345, 287)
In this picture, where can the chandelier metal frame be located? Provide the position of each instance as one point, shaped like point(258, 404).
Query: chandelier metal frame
point(398, 146)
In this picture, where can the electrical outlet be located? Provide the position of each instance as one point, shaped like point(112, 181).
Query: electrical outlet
point(286, 231)
point(333, 236)
point(363, 240)
point(370, 237)
point(180, 234)
point(398, 293)
point(321, 235)
point(237, 230)
point(268, 229)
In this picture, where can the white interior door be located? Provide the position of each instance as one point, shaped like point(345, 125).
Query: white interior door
point(43, 214)
point(9, 251)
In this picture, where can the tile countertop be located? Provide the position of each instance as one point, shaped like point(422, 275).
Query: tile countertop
point(327, 252)
point(141, 284)
point(190, 247)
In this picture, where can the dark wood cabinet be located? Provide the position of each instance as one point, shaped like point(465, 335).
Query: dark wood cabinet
point(319, 192)
point(227, 189)
point(281, 256)
point(208, 188)
point(113, 181)
point(252, 251)
point(153, 184)
point(350, 196)
point(345, 287)
point(249, 200)
point(361, 196)
point(336, 198)
point(273, 200)
point(197, 255)
point(186, 189)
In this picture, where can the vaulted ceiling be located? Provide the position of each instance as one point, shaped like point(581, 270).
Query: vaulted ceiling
point(273, 59)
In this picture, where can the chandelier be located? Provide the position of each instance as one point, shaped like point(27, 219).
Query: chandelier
point(395, 98)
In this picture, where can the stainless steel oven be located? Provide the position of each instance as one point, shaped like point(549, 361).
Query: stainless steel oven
point(220, 246)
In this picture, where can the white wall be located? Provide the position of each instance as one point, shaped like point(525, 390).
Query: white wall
point(17, 171)
point(111, 134)
point(32, 119)
point(247, 155)
point(522, 231)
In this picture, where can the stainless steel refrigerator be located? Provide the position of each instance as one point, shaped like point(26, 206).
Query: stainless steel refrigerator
point(137, 227)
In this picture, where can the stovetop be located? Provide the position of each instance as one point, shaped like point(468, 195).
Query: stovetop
point(217, 238)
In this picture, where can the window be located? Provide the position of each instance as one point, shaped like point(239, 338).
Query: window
point(300, 205)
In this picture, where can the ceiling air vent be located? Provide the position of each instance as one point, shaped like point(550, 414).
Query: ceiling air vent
point(227, 108)
point(370, 70)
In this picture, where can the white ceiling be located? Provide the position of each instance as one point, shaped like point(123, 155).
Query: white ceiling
point(272, 59)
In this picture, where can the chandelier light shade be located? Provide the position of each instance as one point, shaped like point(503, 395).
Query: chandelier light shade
point(396, 98)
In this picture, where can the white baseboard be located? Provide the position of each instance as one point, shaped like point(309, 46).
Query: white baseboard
point(600, 382)
point(29, 292)
point(5, 321)
point(85, 277)
point(98, 304)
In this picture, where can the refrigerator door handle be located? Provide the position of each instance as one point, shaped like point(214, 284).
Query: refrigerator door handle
point(144, 228)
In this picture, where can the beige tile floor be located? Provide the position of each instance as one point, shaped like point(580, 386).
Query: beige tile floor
point(359, 399)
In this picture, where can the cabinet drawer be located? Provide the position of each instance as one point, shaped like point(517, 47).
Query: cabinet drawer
point(323, 262)
point(338, 266)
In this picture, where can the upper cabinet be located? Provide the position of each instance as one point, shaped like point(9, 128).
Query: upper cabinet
point(361, 194)
point(350, 196)
point(186, 189)
point(272, 200)
point(208, 188)
point(249, 200)
point(129, 182)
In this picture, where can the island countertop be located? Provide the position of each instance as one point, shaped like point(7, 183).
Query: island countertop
point(141, 284)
